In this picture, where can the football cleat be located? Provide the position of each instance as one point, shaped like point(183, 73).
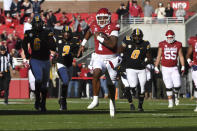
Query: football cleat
point(195, 110)
point(170, 105)
point(141, 109)
point(132, 107)
point(93, 105)
point(176, 102)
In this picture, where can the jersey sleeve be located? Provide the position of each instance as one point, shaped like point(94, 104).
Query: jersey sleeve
point(51, 40)
point(148, 45)
point(125, 41)
point(25, 44)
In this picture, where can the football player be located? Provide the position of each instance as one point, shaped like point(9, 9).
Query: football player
point(168, 52)
point(135, 51)
point(41, 42)
point(193, 63)
point(67, 46)
point(105, 58)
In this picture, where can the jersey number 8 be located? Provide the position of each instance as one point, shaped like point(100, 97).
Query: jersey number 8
point(135, 54)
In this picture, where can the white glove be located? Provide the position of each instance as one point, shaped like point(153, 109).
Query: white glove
point(156, 70)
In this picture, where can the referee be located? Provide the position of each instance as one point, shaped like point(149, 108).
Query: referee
point(5, 62)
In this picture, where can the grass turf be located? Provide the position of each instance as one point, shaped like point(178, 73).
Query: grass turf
point(20, 115)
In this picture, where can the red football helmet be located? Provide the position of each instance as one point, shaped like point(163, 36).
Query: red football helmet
point(103, 17)
point(170, 35)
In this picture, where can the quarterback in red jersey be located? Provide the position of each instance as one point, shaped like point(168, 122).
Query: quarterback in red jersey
point(193, 63)
point(105, 58)
point(168, 53)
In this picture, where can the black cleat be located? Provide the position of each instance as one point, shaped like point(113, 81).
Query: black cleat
point(141, 109)
point(43, 109)
point(63, 108)
point(37, 106)
point(132, 107)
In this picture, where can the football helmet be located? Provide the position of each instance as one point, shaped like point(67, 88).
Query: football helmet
point(103, 17)
point(67, 32)
point(37, 23)
point(170, 36)
point(137, 35)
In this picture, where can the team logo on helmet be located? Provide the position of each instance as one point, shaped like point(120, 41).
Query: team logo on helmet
point(103, 17)
point(170, 36)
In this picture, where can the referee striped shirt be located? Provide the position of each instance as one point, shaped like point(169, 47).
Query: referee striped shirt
point(5, 62)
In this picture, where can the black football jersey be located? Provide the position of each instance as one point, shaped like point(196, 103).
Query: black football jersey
point(41, 43)
point(67, 50)
point(135, 54)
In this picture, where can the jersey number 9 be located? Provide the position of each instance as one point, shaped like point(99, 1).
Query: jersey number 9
point(66, 50)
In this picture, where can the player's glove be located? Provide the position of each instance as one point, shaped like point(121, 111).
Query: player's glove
point(190, 62)
point(156, 70)
point(26, 63)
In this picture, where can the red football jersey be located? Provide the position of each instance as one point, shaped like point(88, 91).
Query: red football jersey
point(193, 41)
point(99, 48)
point(169, 53)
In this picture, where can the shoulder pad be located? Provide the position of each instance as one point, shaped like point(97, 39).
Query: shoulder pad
point(51, 34)
point(128, 37)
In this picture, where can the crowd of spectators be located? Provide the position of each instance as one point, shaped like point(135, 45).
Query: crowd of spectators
point(134, 10)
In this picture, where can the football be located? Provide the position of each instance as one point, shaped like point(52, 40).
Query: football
point(103, 35)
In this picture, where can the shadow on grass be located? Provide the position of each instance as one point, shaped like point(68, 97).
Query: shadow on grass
point(130, 129)
point(95, 111)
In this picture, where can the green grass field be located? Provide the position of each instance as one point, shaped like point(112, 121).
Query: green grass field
point(20, 115)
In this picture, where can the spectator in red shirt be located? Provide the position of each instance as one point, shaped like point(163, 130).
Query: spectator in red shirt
point(134, 9)
point(2, 19)
point(9, 21)
point(64, 20)
point(82, 82)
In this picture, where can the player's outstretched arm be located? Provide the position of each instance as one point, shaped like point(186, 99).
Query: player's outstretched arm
point(82, 47)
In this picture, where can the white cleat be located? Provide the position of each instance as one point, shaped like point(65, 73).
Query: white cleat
point(112, 108)
point(170, 105)
point(92, 105)
point(195, 110)
point(176, 102)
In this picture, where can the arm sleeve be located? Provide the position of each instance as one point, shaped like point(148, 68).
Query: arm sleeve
point(51, 40)
point(25, 45)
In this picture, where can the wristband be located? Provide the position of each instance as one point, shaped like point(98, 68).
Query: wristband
point(183, 68)
point(83, 42)
point(189, 60)
point(100, 39)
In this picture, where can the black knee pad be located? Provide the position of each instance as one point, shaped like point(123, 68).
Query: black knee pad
point(176, 89)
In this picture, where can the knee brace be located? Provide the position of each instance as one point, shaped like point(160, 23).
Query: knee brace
point(169, 92)
point(176, 89)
